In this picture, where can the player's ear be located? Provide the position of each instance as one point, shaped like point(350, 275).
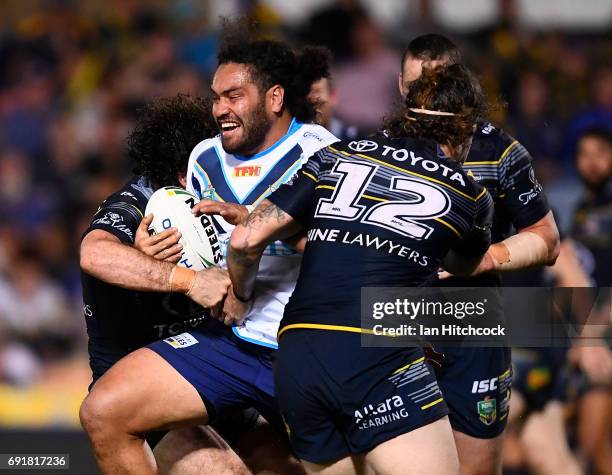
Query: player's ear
point(276, 98)
point(400, 84)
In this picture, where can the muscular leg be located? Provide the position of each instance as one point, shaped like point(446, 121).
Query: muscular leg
point(518, 406)
point(545, 445)
point(595, 419)
point(140, 393)
point(479, 456)
point(354, 465)
point(514, 460)
point(197, 450)
point(478, 445)
point(201, 450)
point(429, 449)
point(513, 455)
point(264, 451)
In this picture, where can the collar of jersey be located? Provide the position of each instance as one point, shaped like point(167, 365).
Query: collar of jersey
point(293, 127)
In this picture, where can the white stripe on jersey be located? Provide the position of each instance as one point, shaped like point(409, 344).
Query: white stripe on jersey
point(225, 177)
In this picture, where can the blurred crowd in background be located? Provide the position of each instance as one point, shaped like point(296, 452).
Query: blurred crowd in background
point(73, 75)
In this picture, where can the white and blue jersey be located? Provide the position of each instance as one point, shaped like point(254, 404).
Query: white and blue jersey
point(215, 174)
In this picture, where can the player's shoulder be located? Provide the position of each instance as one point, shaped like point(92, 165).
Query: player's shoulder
point(480, 194)
point(372, 144)
point(315, 132)
point(204, 146)
point(135, 193)
point(492, 145)
point(121, 212)
point(486, 131)
point(461, 180)
point(313, 137)
point(398, 152)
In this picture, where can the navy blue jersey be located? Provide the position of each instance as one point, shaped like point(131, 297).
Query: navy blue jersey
point(378, 212)
point(126, 319)
point(502, 165)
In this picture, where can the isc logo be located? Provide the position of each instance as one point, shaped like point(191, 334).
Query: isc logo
point(484, 385)
point(247, 171)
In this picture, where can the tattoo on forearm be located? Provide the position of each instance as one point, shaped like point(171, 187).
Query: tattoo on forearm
point(263, 213)
point(243, 259)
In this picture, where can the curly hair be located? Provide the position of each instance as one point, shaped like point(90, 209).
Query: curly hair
point(165, 134)
point(451, 89)
point(274, 62)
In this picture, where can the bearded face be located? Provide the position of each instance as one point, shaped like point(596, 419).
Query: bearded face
point(239, 109)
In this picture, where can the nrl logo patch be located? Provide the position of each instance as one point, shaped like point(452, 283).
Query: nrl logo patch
point(487, 410)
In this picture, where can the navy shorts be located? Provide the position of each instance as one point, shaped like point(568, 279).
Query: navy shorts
point(476, 386)
point(102, 357)
point(338, 398)
point(228, 373)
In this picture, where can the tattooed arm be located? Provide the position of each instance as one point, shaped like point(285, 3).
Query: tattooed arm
point(266, 224)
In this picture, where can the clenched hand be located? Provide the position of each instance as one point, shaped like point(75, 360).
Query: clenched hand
point(163, 246)
point(210, 288)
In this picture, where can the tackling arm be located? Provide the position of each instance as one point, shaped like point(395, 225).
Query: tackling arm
point(532, 246)
point(105, 257)
point(460, 265)
point(537, 241)
point(266, 224)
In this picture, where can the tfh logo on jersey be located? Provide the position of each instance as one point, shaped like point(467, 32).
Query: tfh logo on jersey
point(247, 171)
point(391, 409)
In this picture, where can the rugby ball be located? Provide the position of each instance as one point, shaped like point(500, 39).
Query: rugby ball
point(171, 207)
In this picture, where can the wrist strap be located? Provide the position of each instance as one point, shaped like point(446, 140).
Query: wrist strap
point(525, 249)
point(500, 254)
point(181, 280)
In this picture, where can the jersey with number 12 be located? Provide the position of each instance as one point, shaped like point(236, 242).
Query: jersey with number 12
point(378, 212)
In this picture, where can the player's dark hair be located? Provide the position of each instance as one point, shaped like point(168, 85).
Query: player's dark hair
point(601, 133)
point(166, 132)
point(451, 89)
point(274, 62)
point(432, 47)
